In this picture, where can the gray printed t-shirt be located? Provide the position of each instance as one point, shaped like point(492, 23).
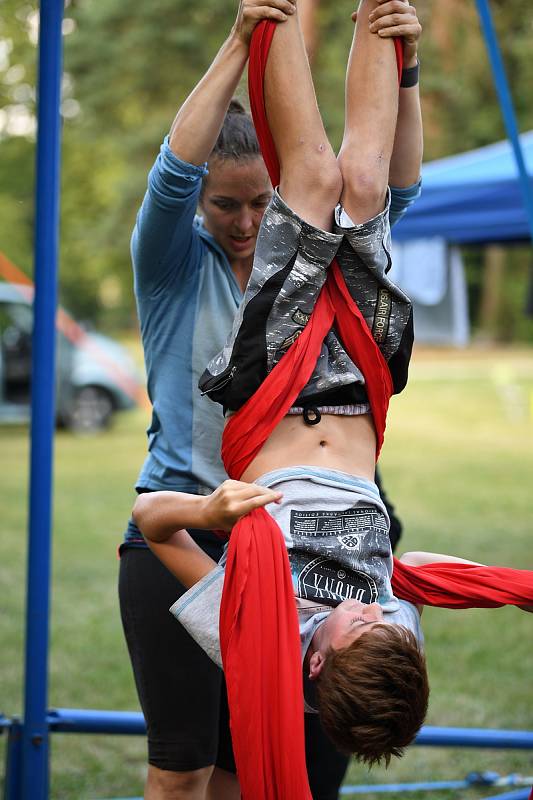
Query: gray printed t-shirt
point(336, 530)
point(198, 611)
point(335, 527)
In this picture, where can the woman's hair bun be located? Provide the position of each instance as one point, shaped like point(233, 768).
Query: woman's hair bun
point(236, 107)
point(237, 138)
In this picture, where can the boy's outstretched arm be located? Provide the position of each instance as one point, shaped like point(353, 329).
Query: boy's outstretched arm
point(183, 558)
point(419, 558)
point(163, 516)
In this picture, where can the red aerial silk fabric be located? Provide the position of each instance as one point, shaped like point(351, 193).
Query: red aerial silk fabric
point(258, 622)
point(259, 634)
point(250, 427)
point(260, 644)
point(449, 585)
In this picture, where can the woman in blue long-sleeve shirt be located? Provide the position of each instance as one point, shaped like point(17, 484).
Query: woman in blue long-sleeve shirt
point(190, 273)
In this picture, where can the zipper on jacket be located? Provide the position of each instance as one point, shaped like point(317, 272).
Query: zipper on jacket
point(214, 384)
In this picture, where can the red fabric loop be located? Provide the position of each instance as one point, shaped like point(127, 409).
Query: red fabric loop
point(449, 585)
point(260, 645)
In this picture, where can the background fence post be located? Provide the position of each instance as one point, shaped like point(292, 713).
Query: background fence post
point(506, 103)
point(34, 761)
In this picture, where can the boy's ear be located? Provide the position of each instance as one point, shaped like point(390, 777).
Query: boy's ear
point(316, 663)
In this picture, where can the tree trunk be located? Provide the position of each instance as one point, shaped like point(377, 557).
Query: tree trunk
point(492, 289)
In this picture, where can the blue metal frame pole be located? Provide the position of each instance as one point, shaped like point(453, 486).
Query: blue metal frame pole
point(34, 779)
point(506, 104)
point(13, 759)
point(435, 736)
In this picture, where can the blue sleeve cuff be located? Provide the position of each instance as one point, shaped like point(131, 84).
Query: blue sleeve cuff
point(178, 168)
point(174, 183)
point(402, 198)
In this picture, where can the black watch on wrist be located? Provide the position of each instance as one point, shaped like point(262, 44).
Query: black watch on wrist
point(410, 76)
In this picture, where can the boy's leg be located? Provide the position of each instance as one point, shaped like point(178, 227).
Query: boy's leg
point(310, 176)
point(370, 122)
point(365, 254)
point(295, 245)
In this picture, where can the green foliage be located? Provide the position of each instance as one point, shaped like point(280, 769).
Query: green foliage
point(513, 320)
point(17, 82)
point(464, 98)
point(16, 199)
point(129, 67)
point(17, 51)
point(513, 324)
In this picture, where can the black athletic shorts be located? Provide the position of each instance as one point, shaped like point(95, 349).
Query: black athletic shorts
point(181, 692)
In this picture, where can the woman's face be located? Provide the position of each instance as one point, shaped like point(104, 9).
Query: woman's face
point(234, 199)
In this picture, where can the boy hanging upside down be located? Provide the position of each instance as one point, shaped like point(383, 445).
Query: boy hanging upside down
point(359, 643)
point(361, 647)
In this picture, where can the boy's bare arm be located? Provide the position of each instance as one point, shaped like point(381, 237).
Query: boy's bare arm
point(159, 514)
point(418, 558)
point(163, 516)
point(183, 558)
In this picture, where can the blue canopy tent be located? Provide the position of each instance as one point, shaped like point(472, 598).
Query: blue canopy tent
point(472, 197)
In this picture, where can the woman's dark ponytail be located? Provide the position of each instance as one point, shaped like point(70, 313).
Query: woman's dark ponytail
point(237, 139)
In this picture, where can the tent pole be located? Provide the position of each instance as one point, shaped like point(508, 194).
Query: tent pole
point(506, 103)
point(34, 778)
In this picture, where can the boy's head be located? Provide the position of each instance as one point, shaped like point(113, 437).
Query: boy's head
point(371, 683)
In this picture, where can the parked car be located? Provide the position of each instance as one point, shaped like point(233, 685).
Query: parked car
point(95, 376)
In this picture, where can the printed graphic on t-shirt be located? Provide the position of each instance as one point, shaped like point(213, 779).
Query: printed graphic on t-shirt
point(321, 579)
point(339, 555)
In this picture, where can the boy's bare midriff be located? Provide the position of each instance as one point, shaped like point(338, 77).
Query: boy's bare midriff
point(346, 443)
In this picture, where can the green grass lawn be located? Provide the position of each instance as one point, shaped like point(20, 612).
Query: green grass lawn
point(458, 464)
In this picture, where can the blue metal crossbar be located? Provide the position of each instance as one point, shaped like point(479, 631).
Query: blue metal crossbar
point(386, 788)
point(474, 737)
point(78, 720)
point(474, 779)
point(130, 723)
